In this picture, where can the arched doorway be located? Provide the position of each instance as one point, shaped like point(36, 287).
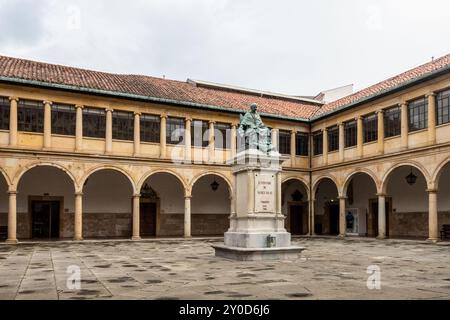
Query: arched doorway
point(443, 202)
point(361, 208)
point(295, 206)
point(326, 208)
point(407, 217)
point(45, 204)
point(210, 206)
point(162, 206)
point(4, 208)
point(107, 205)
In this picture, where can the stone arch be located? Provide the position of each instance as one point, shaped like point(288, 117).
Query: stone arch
point(147, 175)
point(5, 176)
point(367, 172)
point(319, 180)
point(302, 181)
point(434, 183)
point(18, 177)
point(212, 173)
point(418, 166)
point(106, 167)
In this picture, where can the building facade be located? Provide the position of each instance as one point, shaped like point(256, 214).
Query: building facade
point(85, 154)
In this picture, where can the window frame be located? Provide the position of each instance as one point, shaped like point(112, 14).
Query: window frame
point(225, 130)
point(302, 144)
point(370, 128)
point(333, 138)
point(199, 127)
point(63, 119)
point(122, 125)
point(150, 133)
point(442, 98)
point(393, 126)
point(350, 133)
point(317, 144)
point(284, 142)
point(98, 129)
point(5, 109)
point(414, 110)
point(33, 111)
point(172, 124)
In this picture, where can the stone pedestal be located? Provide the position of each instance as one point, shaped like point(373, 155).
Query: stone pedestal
point(257, 229)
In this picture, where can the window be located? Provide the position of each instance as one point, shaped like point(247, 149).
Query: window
point(318, 143)
point(392, 122)
point(443, 107)
point(150, 128)
point(199, 133)
point(301, 144)
point(222, 133)
point(418, 114)
point(350, 133)
point(63, 119)
point(175, 130)
point(94, 123)
point(370, 128)
point(333, 138)
point(4, 113)
point(30, 116)
point(284, 142)
point(123, 125)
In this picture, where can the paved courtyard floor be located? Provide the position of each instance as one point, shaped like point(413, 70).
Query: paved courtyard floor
point(176, 269)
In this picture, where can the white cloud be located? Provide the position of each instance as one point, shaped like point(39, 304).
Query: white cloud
point(286, 46)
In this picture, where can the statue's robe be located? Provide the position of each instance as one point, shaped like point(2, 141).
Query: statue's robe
point(257, 134)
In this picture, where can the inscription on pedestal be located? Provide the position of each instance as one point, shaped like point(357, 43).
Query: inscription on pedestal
point(264, 193)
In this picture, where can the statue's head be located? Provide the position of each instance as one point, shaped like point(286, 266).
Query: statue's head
point(253, 107)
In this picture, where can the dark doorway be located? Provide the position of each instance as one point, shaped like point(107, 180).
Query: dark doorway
point(148, 219)
point(45, 219)
point(334, 219)
point(374, 218)
point(296, 219)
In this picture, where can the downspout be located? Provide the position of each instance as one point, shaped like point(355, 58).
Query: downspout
point(311, 226)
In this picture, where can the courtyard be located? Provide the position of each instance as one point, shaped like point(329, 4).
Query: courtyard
point(180, 269)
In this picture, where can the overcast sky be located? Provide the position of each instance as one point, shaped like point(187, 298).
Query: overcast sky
point(293, 47)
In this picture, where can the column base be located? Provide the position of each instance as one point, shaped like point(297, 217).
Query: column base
point(434, 240)
point(14, 241)
point(78, 239)
point(341, 236)
point(136, 238)
point(381, 237)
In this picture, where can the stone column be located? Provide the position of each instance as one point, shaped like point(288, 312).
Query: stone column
point(12, 217)
point(47, 124)
point(342, 222)
point(293, 147)
point(137, 134)
point(187, 140)
point(360, 136)
point(13, 121)
point(312, 211)
point(162, 137)
point(325, 147)
point(233, 140)
point(433, 225)
point(381, 216)
point(275, 138)
point(79, 128)
point(404, 125)
point(78, 224)
point(341, 141)
point(136, 217)
point(108, 131)
point(187, 217)
point(380, 114)
point(211, 146)
point(431, 118)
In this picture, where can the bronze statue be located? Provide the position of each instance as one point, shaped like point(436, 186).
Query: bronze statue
point(256, 134)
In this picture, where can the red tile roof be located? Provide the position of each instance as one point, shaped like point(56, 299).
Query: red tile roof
point(184, 92)
point(386, 85)
point(153, 87)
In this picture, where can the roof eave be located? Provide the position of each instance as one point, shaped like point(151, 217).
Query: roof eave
point(122, 95)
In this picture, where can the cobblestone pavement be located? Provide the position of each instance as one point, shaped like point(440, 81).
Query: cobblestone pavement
point(176, 269)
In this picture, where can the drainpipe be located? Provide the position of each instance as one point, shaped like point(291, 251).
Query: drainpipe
point(310, 209)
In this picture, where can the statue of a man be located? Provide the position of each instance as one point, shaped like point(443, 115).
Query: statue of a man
point(257, 135)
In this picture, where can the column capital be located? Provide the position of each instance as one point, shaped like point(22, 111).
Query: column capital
point(79, 194)
point(379, 111)
point(403, 104)
point(340, 123)
point(381, 195)
point(164, 116)
point(294, 131)
point(136, 195)
point(109, 110)
point(16, 99)
point(432, 190)
point(79, 106)
point(234, 125)
point(324, 130)
point(188, 197)
point(342, 198)
point(188, 118)
point(357, 118)
point(12, 193)
point(137, 113)
point(430, 94)
point(212, 122)
point(45, 102)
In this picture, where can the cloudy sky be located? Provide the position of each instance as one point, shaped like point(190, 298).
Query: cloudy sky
point(294, 47)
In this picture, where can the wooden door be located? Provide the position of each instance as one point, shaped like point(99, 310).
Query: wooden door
point(148, 219)
point(296, 219)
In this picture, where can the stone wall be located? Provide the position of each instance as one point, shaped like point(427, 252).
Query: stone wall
point(202, 224)
point(413, 224)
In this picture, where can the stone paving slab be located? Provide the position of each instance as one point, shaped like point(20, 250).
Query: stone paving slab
point(179, 269)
